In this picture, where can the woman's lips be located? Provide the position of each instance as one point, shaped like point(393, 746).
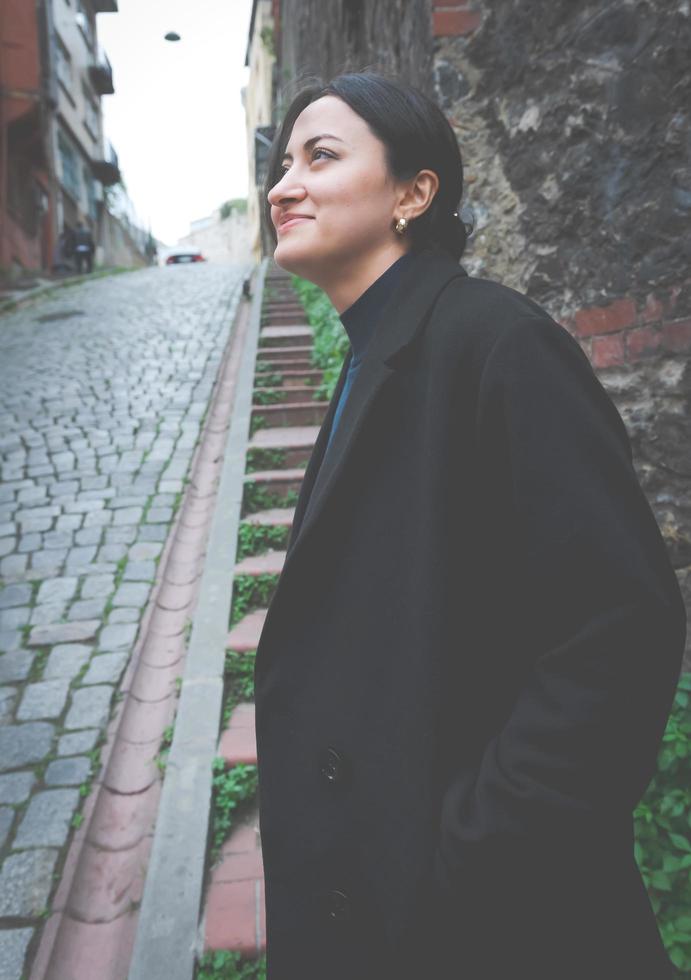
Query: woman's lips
point(293, 221)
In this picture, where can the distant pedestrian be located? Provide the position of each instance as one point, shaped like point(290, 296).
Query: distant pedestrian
point(83, 248)
point(466, 669)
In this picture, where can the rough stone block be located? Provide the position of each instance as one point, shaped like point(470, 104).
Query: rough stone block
point(46, 699)
point(68, 772)
point(47, 818)
point(25, 882)
point(15, 787)
point(13, 946)
point(22, 745)
point(132, 594)
point(60, 589)
point(15, 666)
point(98, 586)
point(118, 635)
point(66, 660)
point(17, 594)
point(76, 742)
point(42, 636)
point(90, 707)
point(105, 668)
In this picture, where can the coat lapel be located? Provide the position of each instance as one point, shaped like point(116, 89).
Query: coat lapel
point(402, 318)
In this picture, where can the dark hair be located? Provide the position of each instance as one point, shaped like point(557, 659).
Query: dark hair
point(416, 136)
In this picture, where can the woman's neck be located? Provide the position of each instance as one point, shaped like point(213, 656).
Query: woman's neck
point(351, 283)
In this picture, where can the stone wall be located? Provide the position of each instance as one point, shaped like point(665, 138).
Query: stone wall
point(324, 37)
point(574, 122)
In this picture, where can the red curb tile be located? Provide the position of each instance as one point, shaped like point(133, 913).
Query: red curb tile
point(285, 436)
point(154, 684)
point(274, 516)
point(120, 822)
point(238, 746)
point(132, 769)
point(109, 881)
point(143, 721)
point(231, 915)
point(168, 622)
point(182, 572)
point(164, 651)
point(175, 597)
point(245, 634)
point(88, 950)
point(270, 563)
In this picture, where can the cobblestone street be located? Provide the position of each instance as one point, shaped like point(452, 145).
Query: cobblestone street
point(103, 390)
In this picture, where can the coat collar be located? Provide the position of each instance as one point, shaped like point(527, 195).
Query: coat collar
point(402, 318)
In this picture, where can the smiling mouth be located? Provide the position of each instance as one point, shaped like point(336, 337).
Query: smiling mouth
point(293, 221)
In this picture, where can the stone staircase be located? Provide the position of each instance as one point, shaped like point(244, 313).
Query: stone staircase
point(289, 418)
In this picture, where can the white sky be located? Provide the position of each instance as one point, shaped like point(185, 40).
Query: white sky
point(176, 119)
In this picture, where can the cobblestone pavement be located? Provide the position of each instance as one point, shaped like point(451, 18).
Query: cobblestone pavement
point(103, 389)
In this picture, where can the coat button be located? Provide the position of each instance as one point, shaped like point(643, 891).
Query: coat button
point(338, 906)
point(332, 766)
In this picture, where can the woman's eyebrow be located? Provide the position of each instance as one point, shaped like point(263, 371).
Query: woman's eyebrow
point(308, 144)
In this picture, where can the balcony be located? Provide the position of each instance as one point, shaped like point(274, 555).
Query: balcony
point(101, 74)
point(105, 6)
point(107, 169)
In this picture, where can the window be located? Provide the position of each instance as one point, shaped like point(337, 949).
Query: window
point(90, 192)
point(84, 23)
point(63, 65)
point(69, 167)
point(90, 114)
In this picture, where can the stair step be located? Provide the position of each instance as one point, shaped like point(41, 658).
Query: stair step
point(238, 743)
point(273, 517)
point(292, 352)
point(289, 396)
point(284, 437)
point(290, 378)
point(270, 563)
point(245, 635)
point(234, 913)
point(301, 365)
point(295, 414)
point(284, 335)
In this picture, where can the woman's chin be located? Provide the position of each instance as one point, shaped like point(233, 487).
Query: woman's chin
point(289, 259)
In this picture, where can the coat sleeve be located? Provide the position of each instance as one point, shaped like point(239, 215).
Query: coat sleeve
point(580, 743)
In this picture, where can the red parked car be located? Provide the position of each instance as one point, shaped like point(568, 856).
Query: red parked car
point(186, 253)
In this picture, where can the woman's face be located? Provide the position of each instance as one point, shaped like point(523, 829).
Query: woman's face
point(341, 184)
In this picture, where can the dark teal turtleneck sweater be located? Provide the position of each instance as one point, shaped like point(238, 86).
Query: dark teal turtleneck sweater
point(360, 321)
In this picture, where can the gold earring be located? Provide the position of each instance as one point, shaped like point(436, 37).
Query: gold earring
point(401, 226)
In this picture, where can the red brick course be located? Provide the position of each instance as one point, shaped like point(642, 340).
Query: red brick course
point(454, 21)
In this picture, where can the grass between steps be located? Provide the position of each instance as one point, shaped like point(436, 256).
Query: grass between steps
point(225, 965)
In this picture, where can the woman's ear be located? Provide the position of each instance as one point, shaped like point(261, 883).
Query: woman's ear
point(418, 194)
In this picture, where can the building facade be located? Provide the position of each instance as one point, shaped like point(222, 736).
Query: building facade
point(26, 218)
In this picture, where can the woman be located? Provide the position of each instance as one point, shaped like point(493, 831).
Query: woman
point(469, 661)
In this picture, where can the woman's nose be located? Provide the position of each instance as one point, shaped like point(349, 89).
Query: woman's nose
point(285, 190)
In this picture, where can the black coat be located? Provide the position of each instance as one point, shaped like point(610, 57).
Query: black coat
point(468, 664)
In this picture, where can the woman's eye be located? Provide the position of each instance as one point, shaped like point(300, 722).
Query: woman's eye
point(320, 149)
